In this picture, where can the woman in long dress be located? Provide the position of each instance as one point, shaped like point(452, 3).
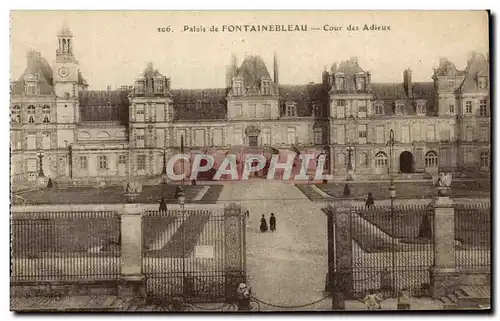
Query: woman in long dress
point(263, 224)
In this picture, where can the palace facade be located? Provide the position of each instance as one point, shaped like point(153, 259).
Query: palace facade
point(76, 134)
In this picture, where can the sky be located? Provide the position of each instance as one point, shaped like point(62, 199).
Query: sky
point(113, 47)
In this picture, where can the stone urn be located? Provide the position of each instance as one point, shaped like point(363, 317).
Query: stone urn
point(131, 189)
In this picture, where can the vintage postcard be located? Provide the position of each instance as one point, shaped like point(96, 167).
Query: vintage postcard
point(250, 161)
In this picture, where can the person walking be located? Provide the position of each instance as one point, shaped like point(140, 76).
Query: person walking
point(163, 205)
point(369, 200)
point(263, 224)
point(272, 222)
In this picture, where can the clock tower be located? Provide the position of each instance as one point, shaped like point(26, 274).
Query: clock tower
point(66, 78)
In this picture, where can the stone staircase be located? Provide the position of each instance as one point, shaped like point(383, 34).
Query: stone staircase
point(468, 298)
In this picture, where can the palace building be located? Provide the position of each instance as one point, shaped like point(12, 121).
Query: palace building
point(80, 135)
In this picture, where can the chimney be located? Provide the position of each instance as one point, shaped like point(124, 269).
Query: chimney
point(407, 84)
point(108, 88)
point(325, 78)
point(276, 73)
point(168, 84)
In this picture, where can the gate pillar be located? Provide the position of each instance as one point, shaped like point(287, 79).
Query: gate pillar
point(132, 280)
point(234, 245)
point(344, 281)
point(443, 275)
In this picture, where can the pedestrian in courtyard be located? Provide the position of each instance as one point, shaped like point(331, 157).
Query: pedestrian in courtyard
point(272, 222)
point(369, 200)
point(163, 204)
point(263, 224)
point(247, 213)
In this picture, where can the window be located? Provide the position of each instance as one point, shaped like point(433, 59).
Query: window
point(103, 162)
point(421, 110)
point(485, 159)
point(481, 82)
point(141, 162)
point(316, 111)
point(31, 114)
point(265, 87)
point(237, 136)
point(341, 160)
point(431, 134)
point(469, 134)
point(46, 113)
point(340, 83)
point(237, 110)
point(483, 107)
point(468, 107)
point(217, 137)
point(140, 113)
point(31, 140)
point(16, 114)
point(160, 86)
point(340, 108)
point(266, 136)
point(340, 134)
point(431, 159)
point(140, 87)
point(290, 110)
point(380, 134)
point(199, 137)
point(362, 133)
point(30, 88)
point(360, 83)
point(444, 156)
point(451, 83)
point(122, 159)
point(290, 136)
point(361, 106)
point(267, 111)
point(32, 165)
point(253, 110)
point(379, 109)
point(451, 109)
point(84, 162)
point(405, 134)
point(318, 136)
point(484, 134)
point(181, 135)
point(238, 88)
point(380, 160)
point(140, 138)
point(400, 109)
point(362, 159)
point(46, 140)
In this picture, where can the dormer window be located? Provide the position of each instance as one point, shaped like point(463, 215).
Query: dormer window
point(379, 108)
point(340, 81)
point(198, 104)
point(316, 110)
point(31, 88)
point(140, 86)
point(360, 82)
point(291, 110)
point(238, 88)
point(159, 86)
point(421, 109)
point(482, 82)
point(451, 83)
point(266, 87)
point(399, 108)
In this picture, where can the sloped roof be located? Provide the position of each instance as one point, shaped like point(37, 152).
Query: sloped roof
point(94, 105)
point(446, 66)
point(303, 96)
point(349, 68)
point(200, 104)
point(35, 65)
point(389, 93)
point(252, 70)
point(477, 64)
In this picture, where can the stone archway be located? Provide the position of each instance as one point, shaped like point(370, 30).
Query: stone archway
point(406, 162)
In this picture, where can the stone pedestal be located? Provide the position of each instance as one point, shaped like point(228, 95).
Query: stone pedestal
point(343, 274)
point(234, 244)
point(443, 273)
point(132, 279)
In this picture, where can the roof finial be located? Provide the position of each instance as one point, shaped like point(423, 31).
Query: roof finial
point(65, 31)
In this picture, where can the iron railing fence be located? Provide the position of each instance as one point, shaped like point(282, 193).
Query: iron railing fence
point(473, 236)
point(59, 246)
point(184, 254)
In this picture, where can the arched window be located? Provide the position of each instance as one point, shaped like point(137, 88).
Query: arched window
point(380, 160)
point(485, 159)
point(431, 159)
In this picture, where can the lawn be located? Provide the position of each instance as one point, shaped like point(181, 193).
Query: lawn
point(407, 190)
point(472, 225)
point(114, 195)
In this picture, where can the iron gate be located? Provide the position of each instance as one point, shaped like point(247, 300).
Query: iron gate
point(194, 254)
point(381, 248)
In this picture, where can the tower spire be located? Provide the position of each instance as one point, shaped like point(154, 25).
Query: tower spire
point(275, 65)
